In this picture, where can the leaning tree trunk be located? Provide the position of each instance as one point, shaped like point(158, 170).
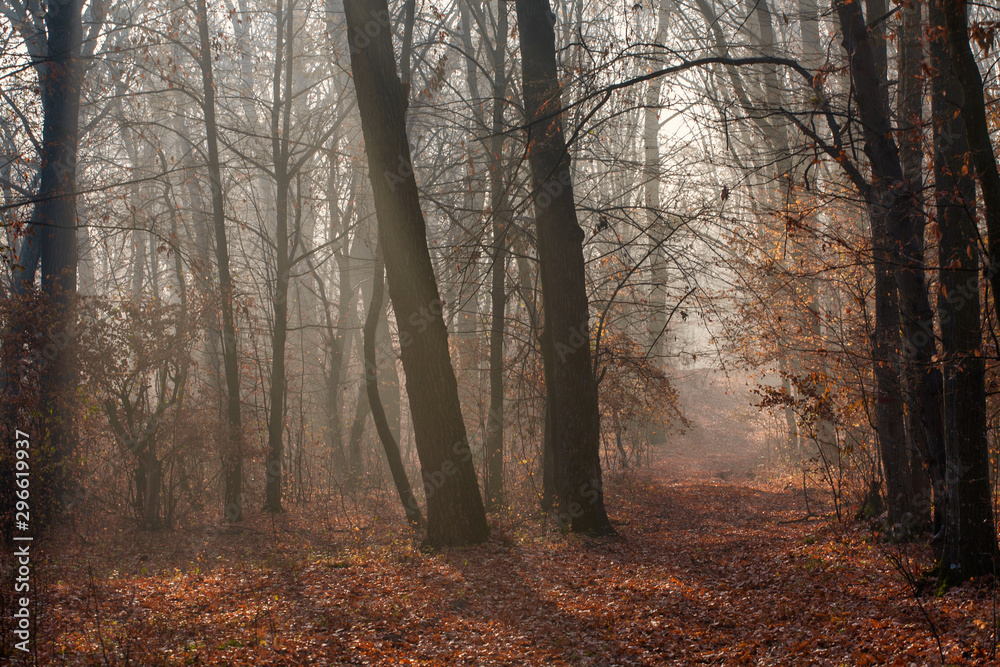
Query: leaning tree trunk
point(563, 271)
point(385, 434)
point(232, 448)
point(455, 513)
point(970, 539)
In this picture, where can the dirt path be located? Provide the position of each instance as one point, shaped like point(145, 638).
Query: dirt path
point(706, 571)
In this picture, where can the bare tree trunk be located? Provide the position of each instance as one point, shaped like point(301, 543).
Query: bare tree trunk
point(970, 539)
point(501, 215)
point(55, 214)
point(973, 112)
point(455, 513)
point(891, 205)
point(339, 333)
point(232, 454)
point(376, 310)
point(922, 377)
point(280, 113)
point(656, 227)
point(564, 293)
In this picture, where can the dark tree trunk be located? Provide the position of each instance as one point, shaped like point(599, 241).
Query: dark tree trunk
point(151, 497)
point(501, 216)
point(232, 448)
point(355, 461)
point(455, 513)
point(55, 218)
point(973, 111)
point(564, 292)
point(389, 442)
point(970, 541)
point(895, 218)
point(922, 378)
point(279, 139)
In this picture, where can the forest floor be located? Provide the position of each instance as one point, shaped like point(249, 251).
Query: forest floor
point(714, 565)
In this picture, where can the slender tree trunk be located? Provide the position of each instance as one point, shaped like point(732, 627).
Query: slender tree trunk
point(455, 513)
point(501, 216)
point(339, 334)
point(564, 292)
point(355, 462)
point(389, 443)
point(232, 454)
point(656, 227)
point(792, 429)
point(281, 113)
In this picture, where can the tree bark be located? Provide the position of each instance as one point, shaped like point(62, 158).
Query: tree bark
point(501, 217)
point(973, 111)
point(893, 219)
point(385, 434)
point(970, 539)
point(564, 291)
point(56, 226)
point(455, 513)
point(232, 454)
point(281, 112)
point(922, 382)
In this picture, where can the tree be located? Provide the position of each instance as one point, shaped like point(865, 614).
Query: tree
point(232, 454)
point(574, 406)
point(56, 221)
point(455, 513)
point(501, 222)
point(969, 533)
point(891, 205)
point(389, 443)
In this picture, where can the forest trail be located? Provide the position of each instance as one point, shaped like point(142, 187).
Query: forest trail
point(712, 567)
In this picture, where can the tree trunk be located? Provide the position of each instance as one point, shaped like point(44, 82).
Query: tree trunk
point(501, 216)
point(891, 206)
point(355, 462)
point(279, 138)
point(922, 377)
point(55, 213)
point(455, 513)
point(973, 111)
point(970, 540)
point(389, 443)
point(232, 454)
point(656, 228)
point(564, 291)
